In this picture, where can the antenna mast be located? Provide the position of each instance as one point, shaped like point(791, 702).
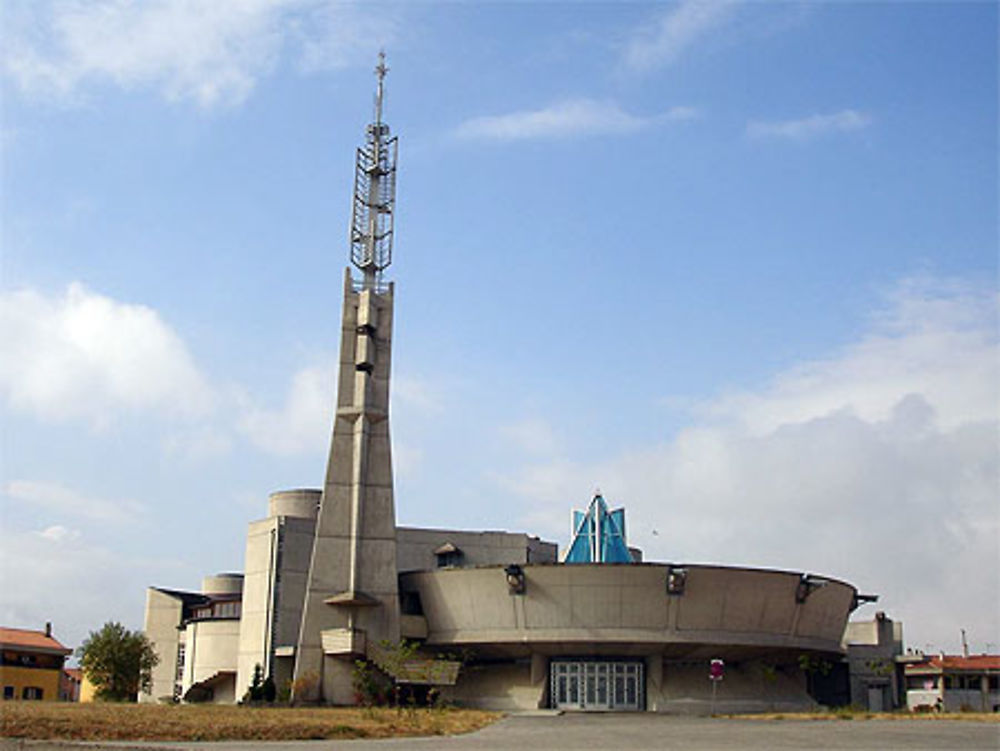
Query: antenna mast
point(374, 194)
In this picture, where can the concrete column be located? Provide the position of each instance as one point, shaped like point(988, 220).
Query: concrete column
point(540, 677)
point(352, 582)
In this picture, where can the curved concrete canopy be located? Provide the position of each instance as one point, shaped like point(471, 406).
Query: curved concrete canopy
point(626, 609)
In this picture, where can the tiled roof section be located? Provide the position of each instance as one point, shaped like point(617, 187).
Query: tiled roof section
point(25, 639)
point(74, 673)
point(957, 662)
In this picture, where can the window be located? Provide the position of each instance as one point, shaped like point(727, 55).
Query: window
point(179, 673)
point(448, 554)
point(227, 609)
point(8, 692)
point(409, 603)
point(32, 693)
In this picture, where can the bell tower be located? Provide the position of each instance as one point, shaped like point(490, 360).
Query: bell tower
point(351, 602)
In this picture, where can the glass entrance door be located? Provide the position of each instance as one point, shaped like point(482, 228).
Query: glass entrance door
point(596, 684)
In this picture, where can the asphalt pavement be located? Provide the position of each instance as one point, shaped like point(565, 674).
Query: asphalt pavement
point(627, 732)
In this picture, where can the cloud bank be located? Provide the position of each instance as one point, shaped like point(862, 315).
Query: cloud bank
point(213, 53)
point(810, 127)
point(64, 501)
point(572, 117)
point(84, 355)
point(673, 31)
point(303, 423)
point(878, 465)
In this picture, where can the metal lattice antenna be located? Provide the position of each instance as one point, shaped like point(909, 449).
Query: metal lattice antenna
point(374, 194)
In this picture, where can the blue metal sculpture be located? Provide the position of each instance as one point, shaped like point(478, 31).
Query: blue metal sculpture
point(598, 535)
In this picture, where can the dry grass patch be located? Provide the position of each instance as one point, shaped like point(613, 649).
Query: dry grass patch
point(131, 722)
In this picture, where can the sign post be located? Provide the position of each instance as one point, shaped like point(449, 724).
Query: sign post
point(716, 669)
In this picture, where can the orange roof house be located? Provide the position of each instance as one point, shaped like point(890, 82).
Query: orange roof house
point(954, 683)
point(31, 664)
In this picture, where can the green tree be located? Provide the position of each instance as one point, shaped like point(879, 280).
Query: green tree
point(261, 689)
point(118, 662)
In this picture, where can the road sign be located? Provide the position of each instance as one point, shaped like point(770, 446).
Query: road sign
point(716, 669)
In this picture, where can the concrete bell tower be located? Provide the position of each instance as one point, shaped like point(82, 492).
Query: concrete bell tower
point(351, 602)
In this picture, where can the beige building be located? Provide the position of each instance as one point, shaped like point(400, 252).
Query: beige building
point(874, 663)
point(196, 636)
point(330, 579)
point(209, 642)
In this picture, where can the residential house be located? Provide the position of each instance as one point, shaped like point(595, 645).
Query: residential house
point(954, 683)
point(31, 664)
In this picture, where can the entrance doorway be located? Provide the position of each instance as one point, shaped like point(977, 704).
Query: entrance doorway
point(597, 684)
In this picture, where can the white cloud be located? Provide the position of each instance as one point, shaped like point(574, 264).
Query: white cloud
point(84, 355)
point(879, 465)
point(566, 118)
point(68, 502)
point(211, 52)
point(303, 424)
point(810, 127)
point(930, 341)
point(77, 586)
point(673, 31)
point(57, 533)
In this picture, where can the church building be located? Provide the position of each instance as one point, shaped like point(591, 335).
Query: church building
point(329, 578)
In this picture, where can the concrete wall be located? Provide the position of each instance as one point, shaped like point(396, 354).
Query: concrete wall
point(212, 648)
point(354, 550)
point(755, 685)
point(258, 600)
point(875, 678)
point(277, 565)
point(415, 548)
point(222, 584)
point(504, 687)
point(301, 503)
point(677, 687)
point(624, 609)
point(163, 616)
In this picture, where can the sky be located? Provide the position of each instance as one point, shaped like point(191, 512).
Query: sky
point(732, 263)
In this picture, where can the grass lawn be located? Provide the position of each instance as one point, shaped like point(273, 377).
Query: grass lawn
point(206, 722)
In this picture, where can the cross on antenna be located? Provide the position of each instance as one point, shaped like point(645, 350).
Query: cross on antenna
point(380, 71)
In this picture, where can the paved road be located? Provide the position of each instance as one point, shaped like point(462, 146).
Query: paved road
point(592, 732)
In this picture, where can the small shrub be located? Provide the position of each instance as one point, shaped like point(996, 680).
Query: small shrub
point(284, 695)
point(268, 690)
point(304, 688)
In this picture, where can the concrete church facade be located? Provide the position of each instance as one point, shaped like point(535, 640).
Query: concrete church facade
point(330, 578)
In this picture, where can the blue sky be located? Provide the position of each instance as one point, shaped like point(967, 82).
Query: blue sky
point(733, 263)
